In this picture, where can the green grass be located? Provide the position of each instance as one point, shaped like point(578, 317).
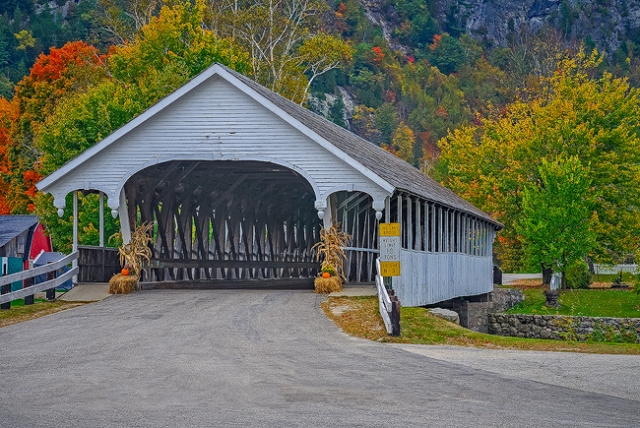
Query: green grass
point(359, 316)
point(19, 313)
point(627, 278)
point(20, 302)
point(588, 303)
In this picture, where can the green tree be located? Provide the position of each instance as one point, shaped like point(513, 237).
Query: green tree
point(336, 112)
point(447, 54)
point(386, 121)
point(557, 214)
point(572, 114)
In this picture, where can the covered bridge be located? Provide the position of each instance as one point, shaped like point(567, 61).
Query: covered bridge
point(239, 181)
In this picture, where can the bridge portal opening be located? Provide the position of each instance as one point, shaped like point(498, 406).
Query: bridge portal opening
point(226, 222)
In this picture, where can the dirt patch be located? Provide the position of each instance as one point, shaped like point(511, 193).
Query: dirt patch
point(356, 316)
point(524, 284)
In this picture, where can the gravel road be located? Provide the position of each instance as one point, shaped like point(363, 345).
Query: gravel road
point(174, 358)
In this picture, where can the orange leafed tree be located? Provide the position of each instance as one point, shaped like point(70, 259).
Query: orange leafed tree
point(6, 116)
point(54, 77)
point(62, 72)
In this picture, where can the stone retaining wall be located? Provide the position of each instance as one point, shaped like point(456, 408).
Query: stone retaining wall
point(565, 327)
point(505, 298)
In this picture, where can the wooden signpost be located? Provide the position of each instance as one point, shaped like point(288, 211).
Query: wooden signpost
point(389, 249)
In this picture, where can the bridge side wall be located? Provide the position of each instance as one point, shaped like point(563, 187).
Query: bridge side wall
point(428, 278)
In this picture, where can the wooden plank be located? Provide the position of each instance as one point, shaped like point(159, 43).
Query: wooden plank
point(459, 232)
point(418, 226)
point(22, 293)
point(227, 284)
point(410, 243)
point(40, 270)
point(440, 231)
point(433, 228)
point(229, 264)
point(402, 227)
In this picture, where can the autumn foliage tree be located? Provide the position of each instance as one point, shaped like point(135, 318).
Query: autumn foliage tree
point(573, 114)
point(53, 78)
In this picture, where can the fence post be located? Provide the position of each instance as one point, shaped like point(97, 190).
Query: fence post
point(395, 315)
point(4, 290)
point(28, 300)
point(51, 293)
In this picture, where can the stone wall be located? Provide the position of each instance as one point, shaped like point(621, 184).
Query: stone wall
point(473, 310)
point(505, 298)
point(565, 327)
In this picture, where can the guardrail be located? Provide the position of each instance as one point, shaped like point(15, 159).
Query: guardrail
point(28, 277)
point(389, 305)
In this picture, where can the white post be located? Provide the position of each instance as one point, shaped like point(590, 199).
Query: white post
point(400, 218)
point(101, 211)
point(433, 228)
point(445, 230)
point(426, 226)
point(440, 231)
point(452, 230)
point(327, 220)
point(409, 224)
point(75, 232)
point(465, 234)
point(123, 212)
point(459, 236)
point(472, 242)
point(418, 226)
point(474, 246)
point(486, 239)
point(387, 209)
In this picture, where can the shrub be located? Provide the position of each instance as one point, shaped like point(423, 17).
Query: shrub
point(578, 275)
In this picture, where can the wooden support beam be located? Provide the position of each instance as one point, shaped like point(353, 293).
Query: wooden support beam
point(410, 243)
point(433, 228)
point(402, 227)
point(440, 231)
point(418, 223)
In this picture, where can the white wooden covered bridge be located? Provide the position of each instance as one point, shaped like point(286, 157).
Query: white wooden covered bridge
point(237, 177)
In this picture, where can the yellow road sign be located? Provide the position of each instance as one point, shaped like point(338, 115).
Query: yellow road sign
point(390, 268)
point(389, 229)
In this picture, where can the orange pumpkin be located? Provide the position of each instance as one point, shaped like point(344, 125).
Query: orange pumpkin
point(125, 272)
point(326, 275)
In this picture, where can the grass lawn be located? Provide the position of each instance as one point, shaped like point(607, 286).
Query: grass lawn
point(20, 302)
point(626, 277)
point(359, 316)
point(19, 313)
point(589, 303)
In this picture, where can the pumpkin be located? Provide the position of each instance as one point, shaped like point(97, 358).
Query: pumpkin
point(125, 272)
point(326, 275)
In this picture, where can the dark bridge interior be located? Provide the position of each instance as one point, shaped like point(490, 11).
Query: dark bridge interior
point(226, 220)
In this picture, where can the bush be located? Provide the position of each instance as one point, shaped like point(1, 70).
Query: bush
point(578, 275)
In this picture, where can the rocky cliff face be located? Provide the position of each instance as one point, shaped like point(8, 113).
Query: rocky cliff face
point(608, 22)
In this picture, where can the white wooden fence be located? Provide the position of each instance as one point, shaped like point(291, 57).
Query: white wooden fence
point(389, 306)
point(615, 269)
point(32, 273)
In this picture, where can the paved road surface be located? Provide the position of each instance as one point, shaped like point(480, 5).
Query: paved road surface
point(257, 358)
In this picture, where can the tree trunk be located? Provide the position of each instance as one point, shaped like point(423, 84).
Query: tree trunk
point(546, 275)
point(563, 283)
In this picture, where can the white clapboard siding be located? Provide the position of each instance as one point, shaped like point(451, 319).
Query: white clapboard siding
point(215, 122)
point(428, 278)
